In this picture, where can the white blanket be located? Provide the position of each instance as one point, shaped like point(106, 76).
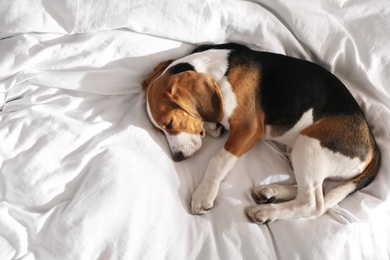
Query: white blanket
point(83, 174)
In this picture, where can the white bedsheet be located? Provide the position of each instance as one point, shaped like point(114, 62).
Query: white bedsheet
point(83, 174)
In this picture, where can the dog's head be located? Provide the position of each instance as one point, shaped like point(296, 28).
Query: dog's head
point(179, 103)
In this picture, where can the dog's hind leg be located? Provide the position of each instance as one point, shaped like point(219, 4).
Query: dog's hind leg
point(273, 192)
point(340, 192)
point(354, 156)
point(309, 204)
point(312, 164)
point(311, 168)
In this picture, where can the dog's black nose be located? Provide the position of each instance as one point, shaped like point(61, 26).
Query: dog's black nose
point(179, 156)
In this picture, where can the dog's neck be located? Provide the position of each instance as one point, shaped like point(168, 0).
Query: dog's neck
point(215, 63)
point(211, 62)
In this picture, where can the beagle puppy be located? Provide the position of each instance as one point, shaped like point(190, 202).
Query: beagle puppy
point(260, 95)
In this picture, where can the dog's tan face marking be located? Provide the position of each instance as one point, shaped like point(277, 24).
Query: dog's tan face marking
point(184, 133)
point(175, 120)
point(156, 73)
point(177, 104)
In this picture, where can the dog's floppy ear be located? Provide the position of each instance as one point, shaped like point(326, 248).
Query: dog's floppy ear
point(156, 72)
point(198, 95)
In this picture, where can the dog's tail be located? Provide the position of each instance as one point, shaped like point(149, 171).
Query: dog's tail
point(340, 192)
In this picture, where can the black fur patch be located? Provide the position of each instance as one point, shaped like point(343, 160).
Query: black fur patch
point(227, 46)
point(181, 67)
point(289, 86)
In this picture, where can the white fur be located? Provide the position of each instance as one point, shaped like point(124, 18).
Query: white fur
point(212, 62)
point(183, 142)
point(289, 137)
point(212, 129)
point(337, 194)
point(219, 165)
point(151, 116)
point(324, 162)
point(274, 192)
point(229, 101)
point(312, 164)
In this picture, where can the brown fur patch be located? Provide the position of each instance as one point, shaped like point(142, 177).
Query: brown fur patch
point(346, 134)
point(165, 109)
point(198, 94)
point(156, 72)
point(370, 171)
point(247, 121)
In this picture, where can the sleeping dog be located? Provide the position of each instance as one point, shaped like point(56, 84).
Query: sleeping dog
point(259, 95)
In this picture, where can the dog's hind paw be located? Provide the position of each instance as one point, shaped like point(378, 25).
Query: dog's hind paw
point(261, 214)
point(263, 195)
point(273, 192)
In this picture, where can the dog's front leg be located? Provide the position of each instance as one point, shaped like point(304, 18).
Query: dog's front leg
point(220, 164)
point(203, 197)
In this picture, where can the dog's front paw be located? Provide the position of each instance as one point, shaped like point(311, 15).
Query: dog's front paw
point(203, 198)
point(261, 214)
point(214, 129)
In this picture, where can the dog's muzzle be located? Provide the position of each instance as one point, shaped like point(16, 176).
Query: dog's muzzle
point(184, 145)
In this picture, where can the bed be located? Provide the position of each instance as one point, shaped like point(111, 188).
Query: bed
point(84, 175)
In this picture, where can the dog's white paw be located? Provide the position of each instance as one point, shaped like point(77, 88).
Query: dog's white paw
point(214, 129)
point(264, 194)
point(273, 192)
point(262, 214)
point(203, 198)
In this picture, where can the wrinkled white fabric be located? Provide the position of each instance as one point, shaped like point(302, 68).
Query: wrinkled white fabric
point(83, 174)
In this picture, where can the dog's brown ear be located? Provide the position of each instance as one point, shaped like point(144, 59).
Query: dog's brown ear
point(198, 94)
point(156, 72)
